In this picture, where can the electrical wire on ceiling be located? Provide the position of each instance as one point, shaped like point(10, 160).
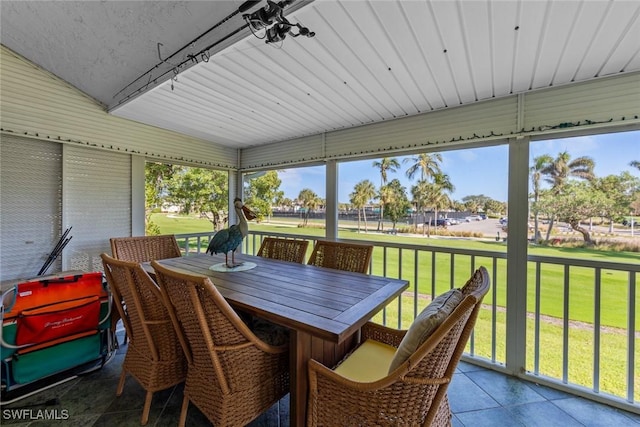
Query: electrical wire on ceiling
point(269, 19)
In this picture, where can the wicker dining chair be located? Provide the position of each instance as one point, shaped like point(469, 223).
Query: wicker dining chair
point(233, 375)
point(373, 386)
point(341, 256)
point(142, 249)
point(145, 248)
point(154, 356)
point(293, 250)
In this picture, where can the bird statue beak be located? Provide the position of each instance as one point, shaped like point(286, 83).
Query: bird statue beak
point(248, 213)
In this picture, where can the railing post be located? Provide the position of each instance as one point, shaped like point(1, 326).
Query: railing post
point(331, 208)
point(517, 255)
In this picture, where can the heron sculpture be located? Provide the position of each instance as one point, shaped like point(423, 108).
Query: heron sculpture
point(229, 240)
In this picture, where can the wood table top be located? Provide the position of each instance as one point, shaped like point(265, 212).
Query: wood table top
point(330, 304)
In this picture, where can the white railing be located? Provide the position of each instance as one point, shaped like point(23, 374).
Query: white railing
point(561, 362)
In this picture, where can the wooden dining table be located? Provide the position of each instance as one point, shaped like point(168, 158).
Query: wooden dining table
point(323, 308)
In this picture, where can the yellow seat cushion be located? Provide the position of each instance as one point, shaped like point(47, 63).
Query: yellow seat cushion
point(368, 363)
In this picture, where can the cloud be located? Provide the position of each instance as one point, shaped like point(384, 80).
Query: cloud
point(468, 156)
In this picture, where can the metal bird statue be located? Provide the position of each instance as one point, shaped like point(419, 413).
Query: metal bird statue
point(229, 240)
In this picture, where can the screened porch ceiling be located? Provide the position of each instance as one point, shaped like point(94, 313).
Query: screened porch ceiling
point(194, 67)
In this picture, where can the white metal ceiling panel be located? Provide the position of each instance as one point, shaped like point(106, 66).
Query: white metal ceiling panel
point(503, 19)
point(451, 31)
point(316, 88)
point(395, 59)
point(372, 61)
point(528, 38)
point(426, 26)
point(424, 55)
point(628, 42)
point(577, 42)
point(342, 55)
point(476, 25)
point(617, 24)
point(557, 27)
point(357, 62)
point(268, 82)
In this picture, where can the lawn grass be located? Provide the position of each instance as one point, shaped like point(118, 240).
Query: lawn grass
point(614, 298)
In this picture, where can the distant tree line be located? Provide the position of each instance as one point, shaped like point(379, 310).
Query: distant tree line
point(563, 189)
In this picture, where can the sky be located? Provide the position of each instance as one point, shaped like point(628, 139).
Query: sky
point(474, 171)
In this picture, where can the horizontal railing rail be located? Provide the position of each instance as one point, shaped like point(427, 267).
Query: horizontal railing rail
point(432, 270)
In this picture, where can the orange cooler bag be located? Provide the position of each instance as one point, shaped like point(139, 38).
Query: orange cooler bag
point(54, 325)
point(57, 320)
point(38, 293)
point(41, 310)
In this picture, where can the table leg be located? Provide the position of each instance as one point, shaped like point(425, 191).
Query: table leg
point(302, 348)
point(300, 353)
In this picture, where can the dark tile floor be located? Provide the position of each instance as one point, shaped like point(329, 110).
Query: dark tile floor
point(478, 397)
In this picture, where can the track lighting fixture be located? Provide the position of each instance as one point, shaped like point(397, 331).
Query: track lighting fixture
point(270, 18)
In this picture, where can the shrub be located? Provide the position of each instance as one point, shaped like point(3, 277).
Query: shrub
point(600, 245)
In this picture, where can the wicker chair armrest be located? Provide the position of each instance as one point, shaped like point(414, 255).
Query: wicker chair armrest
point(271, 349)
point(382, 334)
point(329, 377)
point(336, 400)
point(254, 340)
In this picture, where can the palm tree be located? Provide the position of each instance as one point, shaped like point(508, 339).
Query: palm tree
point(387, 196)
point(420, 193)
point(427, 164)
point(635, 164)
point(385, 165)
point(438, 197)
point(363, 192)
point(561, 169)
point(540, 163)
point(309, 200)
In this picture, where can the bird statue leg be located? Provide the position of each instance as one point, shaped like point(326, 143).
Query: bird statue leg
point(233, 261)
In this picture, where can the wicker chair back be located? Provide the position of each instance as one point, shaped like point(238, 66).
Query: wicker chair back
point(145, 248)
point(341, 256)
point(284, 249)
